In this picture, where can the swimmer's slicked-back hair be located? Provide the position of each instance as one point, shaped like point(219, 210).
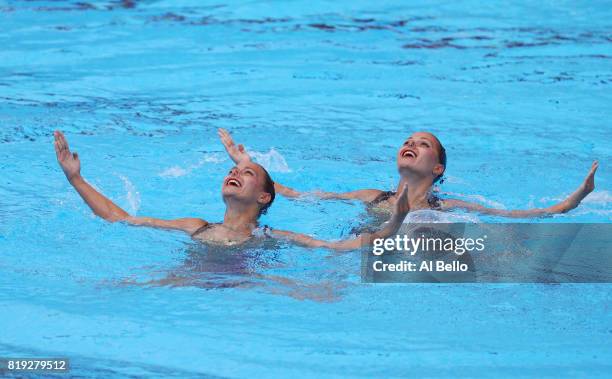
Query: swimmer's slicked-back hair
point(441, 159)
point(269, 188)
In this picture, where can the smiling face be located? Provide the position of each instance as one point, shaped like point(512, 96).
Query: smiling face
point(421, 154)
point(247, 184)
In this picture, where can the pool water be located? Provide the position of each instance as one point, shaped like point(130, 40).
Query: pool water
point(323, 94)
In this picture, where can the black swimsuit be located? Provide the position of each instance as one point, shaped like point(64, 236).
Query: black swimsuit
point(432, 200)
point(265, 230)
point(201, 229)
point(382, 197)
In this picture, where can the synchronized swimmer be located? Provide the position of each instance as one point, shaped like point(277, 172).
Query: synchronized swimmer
point(421, 162)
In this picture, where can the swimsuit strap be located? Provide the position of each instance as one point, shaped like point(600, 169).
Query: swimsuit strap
point(432, 200)
point(382, 197)
point(202, 228)
point(263, 231)
point(267, 231)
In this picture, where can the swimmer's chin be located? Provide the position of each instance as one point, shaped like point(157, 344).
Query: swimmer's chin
point(231, 191)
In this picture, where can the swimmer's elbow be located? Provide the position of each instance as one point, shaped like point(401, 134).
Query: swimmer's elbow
point(561, 208)
point(123, 216)
point(133, 220)
point(347, 245)
point(112, 216)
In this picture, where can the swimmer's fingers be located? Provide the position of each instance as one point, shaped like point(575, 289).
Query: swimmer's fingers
point(237, 153)
point(57, 142)
point(228, 143)
point(402, 205)
point(222, 131)
point(60, 148)
point(225, 133)
point(62, 152)
point(226, 138)
point(221, 134)
point(59, 153)
point(589, 181)
point(59, 137)
point(57, 150)
point(241, 148)
point(63, 142)
point(592, 171)
point(404, 194)
point(594, 168)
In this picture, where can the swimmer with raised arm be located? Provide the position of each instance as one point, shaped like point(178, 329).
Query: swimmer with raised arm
point(248, 191)
point(421, 162)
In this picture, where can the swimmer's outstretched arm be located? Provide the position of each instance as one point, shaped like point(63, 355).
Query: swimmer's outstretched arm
point(365, 195)
point(104, 207)
point(572, 201)
point(400, 210)
point(238, 153)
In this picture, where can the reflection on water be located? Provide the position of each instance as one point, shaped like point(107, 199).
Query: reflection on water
point(251, 265)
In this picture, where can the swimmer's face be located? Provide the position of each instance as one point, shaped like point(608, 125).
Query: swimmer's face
point(421, 153)
point(245, 182)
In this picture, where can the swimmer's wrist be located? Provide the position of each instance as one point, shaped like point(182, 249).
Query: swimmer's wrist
point(76, 178)
point(398, 218)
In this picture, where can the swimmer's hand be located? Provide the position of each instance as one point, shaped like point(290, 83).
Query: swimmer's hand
point(587, 186)
point(69, 162)
point(400, 210)
point(236, 152)
point(401, 206)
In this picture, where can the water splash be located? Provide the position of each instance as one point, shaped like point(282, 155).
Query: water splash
point(272, 161)
point(174, 172)
point(479, 198)
point(596, 197)
point(596, 203)
point(132, 195)
point(178, 171)
point(432, 216)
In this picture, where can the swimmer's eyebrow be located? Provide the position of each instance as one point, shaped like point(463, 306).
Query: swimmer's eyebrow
point(246, 168)
point(423, 138)
point(251, 169)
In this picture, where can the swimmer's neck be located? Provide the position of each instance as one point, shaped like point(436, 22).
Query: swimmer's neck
point(242, 221)
point(419, 191)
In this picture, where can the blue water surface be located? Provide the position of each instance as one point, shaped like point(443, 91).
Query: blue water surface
point(322, 93)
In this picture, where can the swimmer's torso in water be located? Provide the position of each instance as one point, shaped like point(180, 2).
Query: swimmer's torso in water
point(383, 204)
point(217, 234)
